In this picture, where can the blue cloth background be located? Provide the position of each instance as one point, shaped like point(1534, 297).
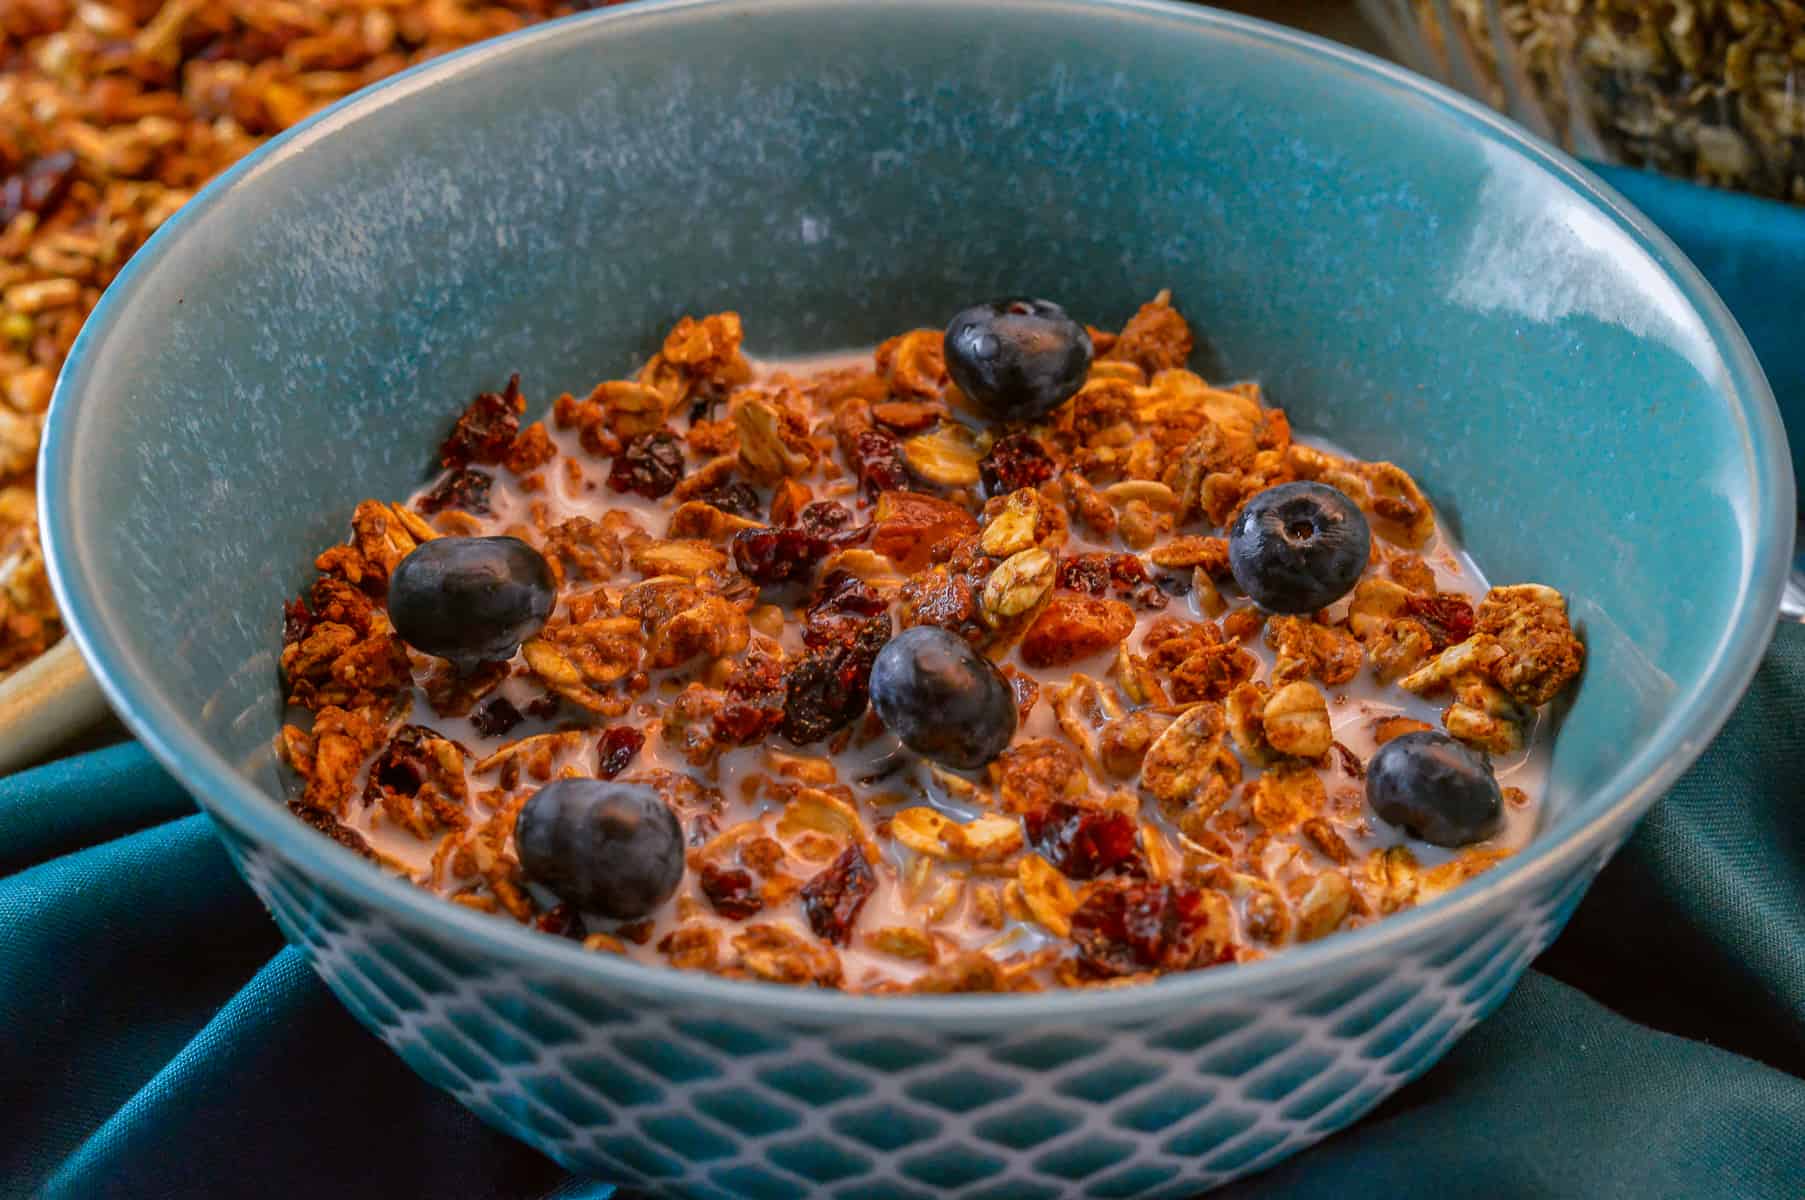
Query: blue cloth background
point(158, 1040)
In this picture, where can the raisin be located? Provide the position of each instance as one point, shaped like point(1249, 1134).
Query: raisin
point(878, 460)
point(1124, 575)
point(616, 749)
point(1448, 618)
point(486, 429)
point(561, 920)
point(297, 622)
point(496, 717)
point(465, 488)
point(833, 898)
point(545, 707)
point(650, 464)
point(1014, 462)
point(768, 556)
point(731, 891)
point(39, 188)
point(736, 498)
point(1083, 843)
point(1124, 929)
point(753, 706)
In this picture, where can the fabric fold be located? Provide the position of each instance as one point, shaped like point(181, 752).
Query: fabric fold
point(309, 1096)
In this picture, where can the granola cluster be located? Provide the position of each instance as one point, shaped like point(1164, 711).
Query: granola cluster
point(1706, 90)
point(111, 116)
point(734, 543)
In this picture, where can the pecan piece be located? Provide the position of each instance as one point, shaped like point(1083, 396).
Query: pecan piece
point(1072, 627)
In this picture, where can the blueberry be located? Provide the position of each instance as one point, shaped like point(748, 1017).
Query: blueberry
point(1017, 360)
point(942, 698)
point(1298, 547)
point(606, 847)
point(1436, 789)
point(471, 599)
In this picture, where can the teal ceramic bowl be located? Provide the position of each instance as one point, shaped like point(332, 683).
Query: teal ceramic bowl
point(1407, 274)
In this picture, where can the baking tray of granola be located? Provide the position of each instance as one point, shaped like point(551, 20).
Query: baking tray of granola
point(112, 115)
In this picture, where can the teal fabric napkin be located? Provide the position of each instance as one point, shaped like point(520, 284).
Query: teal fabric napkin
point(158, 1040)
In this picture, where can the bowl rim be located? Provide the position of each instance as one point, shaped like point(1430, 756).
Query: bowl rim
point(1557, 852)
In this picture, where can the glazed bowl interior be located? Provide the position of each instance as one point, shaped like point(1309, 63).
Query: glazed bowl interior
point(1405, 274)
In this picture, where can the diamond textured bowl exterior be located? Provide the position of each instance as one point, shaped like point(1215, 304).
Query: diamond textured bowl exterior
point(1405, 274)
point(700, 1101)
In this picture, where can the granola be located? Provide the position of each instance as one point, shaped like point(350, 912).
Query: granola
point(111, 116)
point(1184, 787)
point(1706, 90)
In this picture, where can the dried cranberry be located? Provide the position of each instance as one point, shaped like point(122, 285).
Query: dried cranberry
point(1124, 929)
point(1125, 575)
point(39, 188)
point(297, 622)
point(731, 891)
point(617, 748)
point(1014, 462)
point(561, 920)
point(403, 766)
point(833, 523)
point(769, 556)
point(833, 898)
point(466, 489)
point(878, 460)
point(496, 717)
point(852, 616)
point(1083, 843)
point(330, 825)
point(1026, 690)
point(708, 393)
point(824, 518)
point(485, 430)
point(650, 464)
point(745, 723)
point(753, 705)
point(1087, 573)
point(736, 498)
point(829, 687)
point(1148, 597)
point(844, 592)
point(1348, 761)
point(1448, 618)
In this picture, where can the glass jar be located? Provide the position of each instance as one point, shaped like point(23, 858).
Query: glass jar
point(1707, 90)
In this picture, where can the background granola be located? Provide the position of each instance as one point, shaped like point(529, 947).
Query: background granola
point(1707, 90)
point(111, 116)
